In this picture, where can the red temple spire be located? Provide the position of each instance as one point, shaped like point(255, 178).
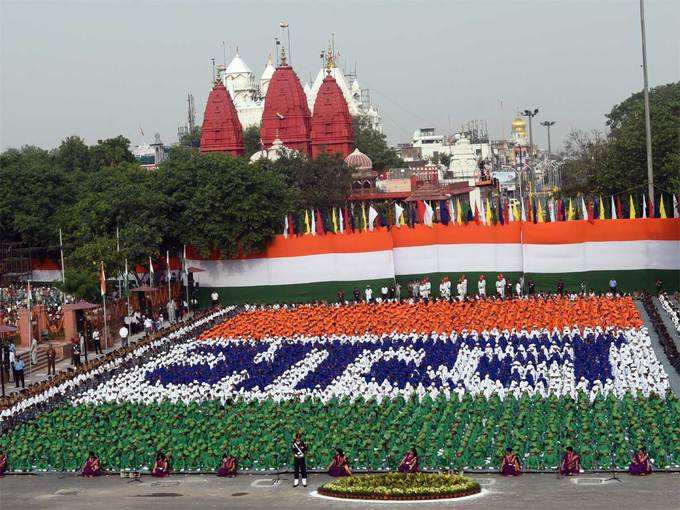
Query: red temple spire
point(221, 130)
point(331, 123)
point(286, 110)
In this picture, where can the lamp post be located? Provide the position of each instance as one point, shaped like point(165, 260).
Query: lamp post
point(530, 114)
point(548, 124)
point(648, 125)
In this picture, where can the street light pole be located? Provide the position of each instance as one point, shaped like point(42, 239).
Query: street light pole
point(548, 124)
point(531, 114)
point(648, 125)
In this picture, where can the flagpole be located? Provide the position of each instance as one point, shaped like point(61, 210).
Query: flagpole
point(118, 251)
point(61, 252)
point(102, 288)
point(167, 274)
point(186, 278)
point(106, 334)
point(30, 328)
point(127, 293)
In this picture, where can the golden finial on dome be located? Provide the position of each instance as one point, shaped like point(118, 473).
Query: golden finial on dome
point(330, 61)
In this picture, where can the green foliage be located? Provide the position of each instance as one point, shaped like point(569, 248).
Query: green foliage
point(374, 145)
point(320, 183)
point(251, 140)
point(110, 152)
point(619, 161)
point(34, 188)
point(83, 283)
point(191, 139)
point(221, 202)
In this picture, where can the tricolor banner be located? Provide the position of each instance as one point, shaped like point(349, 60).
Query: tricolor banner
point(634, 252)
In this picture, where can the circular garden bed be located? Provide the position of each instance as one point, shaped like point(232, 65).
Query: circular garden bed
point(401, 487)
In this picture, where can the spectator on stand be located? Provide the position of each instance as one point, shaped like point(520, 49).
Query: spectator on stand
point(148, 326)
point(612, 286)
point(532, 287)
point(123, 333)
point(172, 309)
point(357, 295)
point(34, 352)
point(96, 340)
point(369, 294)
point(215, 298)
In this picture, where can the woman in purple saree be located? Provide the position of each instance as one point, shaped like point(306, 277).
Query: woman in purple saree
point(3, 463)
point(227, 467)
point(339, 466)
point(161, 468)
point(409, 464)
point(510, 465)
point(92, 466)
point(641, 465)
point(571, 463)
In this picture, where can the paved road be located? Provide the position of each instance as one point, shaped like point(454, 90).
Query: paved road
point(528, 492)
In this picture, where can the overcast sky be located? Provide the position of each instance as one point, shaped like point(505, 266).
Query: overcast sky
point(98, 69)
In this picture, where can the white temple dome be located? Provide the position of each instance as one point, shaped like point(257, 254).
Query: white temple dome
point(274, 152)
point(237, 66)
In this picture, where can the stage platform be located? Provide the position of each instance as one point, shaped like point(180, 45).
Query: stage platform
point(253, 492)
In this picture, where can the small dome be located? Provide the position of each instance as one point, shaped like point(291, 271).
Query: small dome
point(274, 152)
point(359, 160)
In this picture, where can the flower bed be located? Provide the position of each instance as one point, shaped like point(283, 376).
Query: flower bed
point(401, 487)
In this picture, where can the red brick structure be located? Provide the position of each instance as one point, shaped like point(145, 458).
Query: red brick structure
point(286, 114)
point(331, 122)
point(221, 131)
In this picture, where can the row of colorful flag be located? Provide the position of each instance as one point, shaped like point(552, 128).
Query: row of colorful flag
point(364, 216)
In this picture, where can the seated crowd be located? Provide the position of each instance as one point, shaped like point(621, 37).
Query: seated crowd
point(42, 396)
point(486, 349)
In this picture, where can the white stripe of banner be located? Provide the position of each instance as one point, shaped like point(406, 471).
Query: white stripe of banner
point(326, 267)
point(457, 258)
point(598, 256)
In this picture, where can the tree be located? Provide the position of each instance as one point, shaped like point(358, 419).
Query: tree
point(124, 197)
point(586, 157)
point(109, 152)
point(445, 159)
point(618, 162)
point(73, 154)
point(374, 144)
point(251, 140)
point(36, 188)
point(627, 158)
point(191, 138)
point(222, 203)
